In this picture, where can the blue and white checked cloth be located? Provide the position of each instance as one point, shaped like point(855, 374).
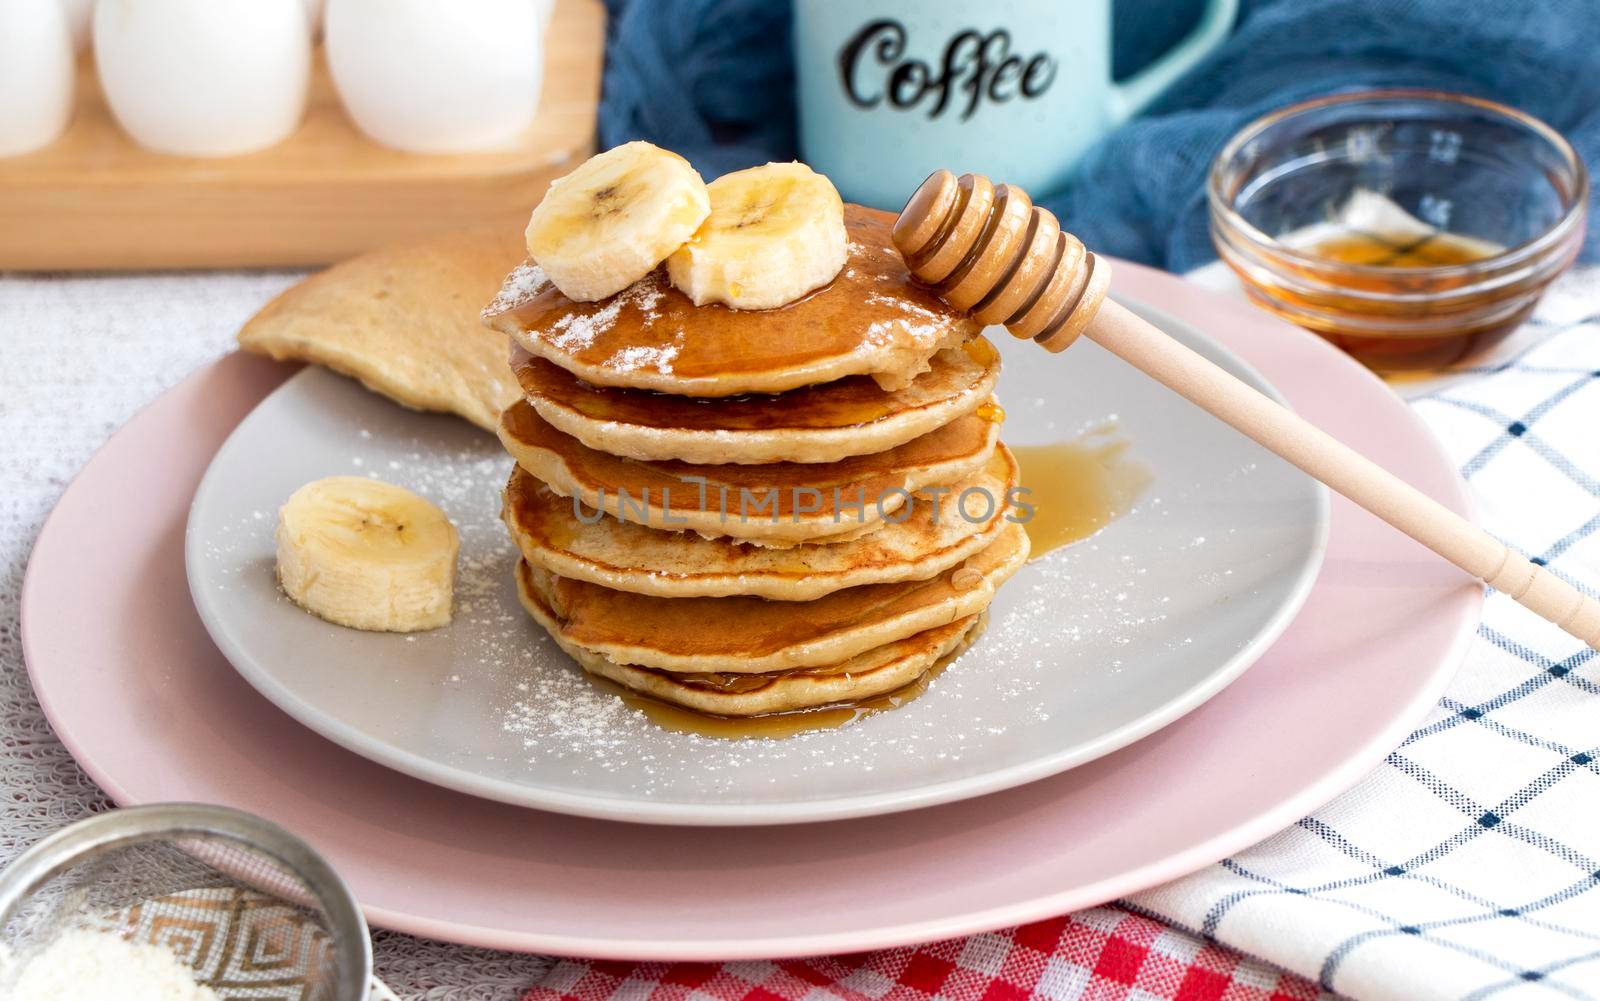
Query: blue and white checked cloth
point(1468, 864)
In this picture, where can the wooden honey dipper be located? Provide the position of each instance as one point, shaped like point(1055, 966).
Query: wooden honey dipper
point(988, 251)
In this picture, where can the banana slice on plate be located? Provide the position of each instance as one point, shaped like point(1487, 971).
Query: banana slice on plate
point(610, 222)
point(367, 554)
point(775, 233)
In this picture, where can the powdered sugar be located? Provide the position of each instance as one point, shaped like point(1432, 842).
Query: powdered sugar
point(89, 965)
point(909, 309)
point(524, 282)
point(574, 331)
point(635, 359)
point(577, 329)
point(645, 295)
point(584, 719)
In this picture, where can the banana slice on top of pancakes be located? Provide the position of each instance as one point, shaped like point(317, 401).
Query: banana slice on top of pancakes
point(607, 224)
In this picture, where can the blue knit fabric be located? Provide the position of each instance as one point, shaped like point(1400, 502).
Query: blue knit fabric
point(713, 79)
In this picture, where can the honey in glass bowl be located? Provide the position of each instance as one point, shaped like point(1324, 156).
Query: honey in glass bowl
point(1411, 228)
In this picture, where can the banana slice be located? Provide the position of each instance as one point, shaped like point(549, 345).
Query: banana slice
point(775, 233)
point(610, 222)
point(367, 554)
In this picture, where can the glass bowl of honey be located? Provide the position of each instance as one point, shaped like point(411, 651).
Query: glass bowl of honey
point(1412, 228)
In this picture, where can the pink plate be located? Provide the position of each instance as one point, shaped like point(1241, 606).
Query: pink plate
point(137, 692)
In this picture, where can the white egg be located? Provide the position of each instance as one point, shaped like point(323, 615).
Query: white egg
point(79, 14)
point(37, 77)
point(204, 77)
point(432, 76)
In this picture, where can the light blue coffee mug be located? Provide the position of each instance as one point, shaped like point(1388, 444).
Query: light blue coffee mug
point(892, 90)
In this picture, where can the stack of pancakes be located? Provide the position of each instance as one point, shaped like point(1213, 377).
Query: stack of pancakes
point(749, 512)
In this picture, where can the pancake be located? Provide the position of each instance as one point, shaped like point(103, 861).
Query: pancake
point(745, 635)
point(628, 557)
point(404, 321)
point(670, 494)
point(875, 672)
point(872, 320)
point(851, 416)
point(890, 668)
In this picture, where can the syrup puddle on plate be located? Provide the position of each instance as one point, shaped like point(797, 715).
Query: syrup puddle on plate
point(1078, 487)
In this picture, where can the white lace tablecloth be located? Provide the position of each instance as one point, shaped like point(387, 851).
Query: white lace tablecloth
point(78, 357)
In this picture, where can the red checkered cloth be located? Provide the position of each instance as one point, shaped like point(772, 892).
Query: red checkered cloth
point(1102, 954)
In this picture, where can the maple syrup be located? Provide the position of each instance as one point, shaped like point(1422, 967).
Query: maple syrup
point(981, 351)
point(849, 402)
point(1406, 300)
point(1077, 488)
point(1428, 250)
point(738, 350)
point(991, 411)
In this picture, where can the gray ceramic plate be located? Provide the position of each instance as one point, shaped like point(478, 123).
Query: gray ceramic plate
point(1088, 649)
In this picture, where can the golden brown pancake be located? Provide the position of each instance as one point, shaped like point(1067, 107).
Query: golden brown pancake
point(762, 504)
point(875, 672)
point(936, 534)
point(871, 320)
point(851, 416)
point(405, 321)
point(744, 635)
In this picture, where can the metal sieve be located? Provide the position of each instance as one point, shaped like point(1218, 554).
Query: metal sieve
point(252, 910)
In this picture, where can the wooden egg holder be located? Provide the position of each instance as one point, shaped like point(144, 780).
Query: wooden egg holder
point(988, 251)
point(97, 200)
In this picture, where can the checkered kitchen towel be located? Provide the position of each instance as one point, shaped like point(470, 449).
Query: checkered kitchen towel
point(1466, 866)
point(1099, 953)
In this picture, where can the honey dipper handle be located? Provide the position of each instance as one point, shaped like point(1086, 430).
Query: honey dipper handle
point(1343, 469)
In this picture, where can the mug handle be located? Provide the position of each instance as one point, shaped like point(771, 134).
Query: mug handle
point(1130, 97)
